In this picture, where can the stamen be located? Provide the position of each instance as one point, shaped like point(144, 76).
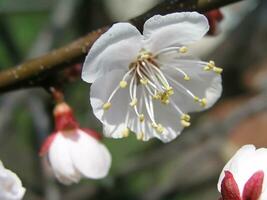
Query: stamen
point(211, 66)
point(123, 84)
point(144, 81)
point(151, 74)
point(142, 117)
point(183, 49)
point(159, 128)
point(185, 117)
point(107, 106)
point(185, 120)
point(160, 75)
point(184, 88)
point(186, 76)
point(218, 70)
point(149, 107)
point(133, 102)
point(185, 123)
point(203, 102)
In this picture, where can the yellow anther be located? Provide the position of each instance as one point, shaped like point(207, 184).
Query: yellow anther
point(186, 78)
point(140, 136)
point(154, 125)
point(125, 132)
point(133, 102)
point(156, 96)
point(212, 63)
point(159, 128)
point(170, 91)
point(203, 102)
point(165, 101)
point(185, 123)
point(218, 70)
point(123, 84)
point(196, 99)
point(164, 97)
point(141, 117)
point(144, 81)
point(183, 49)
point(207, 68)
point(185, 117)
point(106, 106)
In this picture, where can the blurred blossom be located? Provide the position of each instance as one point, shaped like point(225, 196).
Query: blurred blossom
point(74, 152)
point(149, 83)
point(243, 177)
point(214, 17)
point(10, 185)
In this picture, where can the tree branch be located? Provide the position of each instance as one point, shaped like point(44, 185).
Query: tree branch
point(38, 71)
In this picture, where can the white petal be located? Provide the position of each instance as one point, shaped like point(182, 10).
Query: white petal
point(203, 84)
point(89, 156)
point(60, 160)
point(174, 30)
point(101, 89)
point(10, 185)
point(114, 131)
point(116, 48)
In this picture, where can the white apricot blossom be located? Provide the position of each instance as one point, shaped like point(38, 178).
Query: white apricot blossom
point(10, 185)
point(75, 152)
point(148, 83)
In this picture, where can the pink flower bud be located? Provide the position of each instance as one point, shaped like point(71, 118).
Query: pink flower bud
point(243, 176)
point(74, 152)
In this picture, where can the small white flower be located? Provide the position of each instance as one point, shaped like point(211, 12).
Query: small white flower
point(74, 152)
point(243, 177)
point(149, 83)
point(10, 185)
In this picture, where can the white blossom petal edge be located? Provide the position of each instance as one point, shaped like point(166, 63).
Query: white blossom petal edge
point(148, 83)
point(10, 185)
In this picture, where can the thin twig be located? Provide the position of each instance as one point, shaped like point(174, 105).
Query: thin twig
point(37, 71)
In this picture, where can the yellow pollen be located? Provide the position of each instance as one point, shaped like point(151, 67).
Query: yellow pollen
point(185, 117)
point(154, 125)
point(196, 98)
point(186, 78)
point(106, 106)
point(156, 96)
point(133, 102)
point(218, 70)
point(170, 91)
point(141, 117)
point(183, 49)
point(159, 128)
point(140, 136)
point(164, 97)
point(207, 68)
point(125, 132)
point(144, 55)
point(203, 102)
point(185, 123)
point(144, 81)
point(123, 84)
